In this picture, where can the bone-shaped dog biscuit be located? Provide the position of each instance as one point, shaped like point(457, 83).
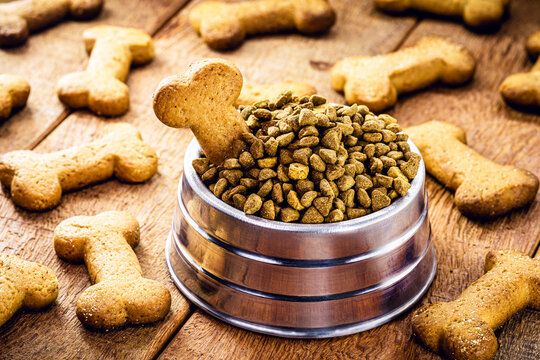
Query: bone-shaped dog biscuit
point(24, 284)
point(202, 99)
point(482, 188)
point(252, 93)
point(377, 80)
point(524, 88)
point(101, 86)
point(14, 91)
point(121, 295)
point(476, 13)
point(463, 328)
point(37, 181)
point(224, 26)
point(19, 18)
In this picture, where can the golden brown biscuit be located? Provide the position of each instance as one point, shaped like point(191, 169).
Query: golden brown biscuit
point(252, 93)
point(476, 13)
point(524, 88)
point(482, 188)
point(121, 295)
point(14, 91)
point(463, 329)
point(37, 181)
point(24, 284)
point(19, 18)
point(202, 99)
point(376, 81)
point(224, 25)
point(101, 86)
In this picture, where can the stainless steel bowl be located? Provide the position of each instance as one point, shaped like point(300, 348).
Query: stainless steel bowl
point(299, 280)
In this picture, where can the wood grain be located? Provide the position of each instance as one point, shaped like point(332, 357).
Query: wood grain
point(59, 50)
point(496, 131)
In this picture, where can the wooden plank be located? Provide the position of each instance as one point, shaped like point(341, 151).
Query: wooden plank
point(266, 59)
point(60, 50)
point(495, 130)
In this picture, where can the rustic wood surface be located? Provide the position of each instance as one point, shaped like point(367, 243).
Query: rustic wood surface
point(494, 129)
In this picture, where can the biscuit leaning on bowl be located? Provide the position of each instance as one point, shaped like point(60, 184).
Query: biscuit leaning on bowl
point(475, 13)
point(14, 91)
point(203, 99)
point(251, 93)
point(463, 329)
point(120, 294)
point(24, 284)
point(524, 88)
point(37, 181)
point(224, 26)
point(482, 187)
point(19, 18)
point(376, 81)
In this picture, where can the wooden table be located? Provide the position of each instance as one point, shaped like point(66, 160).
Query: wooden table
point(494, 129)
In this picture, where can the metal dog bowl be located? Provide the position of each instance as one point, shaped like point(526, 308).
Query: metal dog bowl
point(299, 280)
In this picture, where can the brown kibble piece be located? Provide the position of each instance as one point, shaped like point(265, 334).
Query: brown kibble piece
point(331, 139)
point(345, 182)
point(200, 165)
point(265, 189)
point(210, 84)
point(267, 162)
point(307, 198)
point(37, 181)
point(312, 216)
point(482, 188)
point(382, 180)
point(220, 187)
point(323, 205)
point(334, 172)
point(401, 186)
point(231, 164)
point(24, 284)
point(376, 81)
point(289, 215)
point(120, 294)
point(253, 204)
point(239, 201)
point(19, 19)
point(335, 216)
point(224, 26)
point(246, 160)
point(363, 198)
point(298, 171)
point(379, 200)
point(302, 155)
point(363, 182)
point(466, 325)
point(294, 201)
point(101, 87)
point(317, 163)
point(277, 194)
point(266, 174)
point(268, 210)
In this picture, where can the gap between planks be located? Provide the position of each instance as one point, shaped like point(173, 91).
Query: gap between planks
point(66, 112)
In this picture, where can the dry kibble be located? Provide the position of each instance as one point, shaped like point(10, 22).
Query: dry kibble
point(253, 204)
point(265, 189)
point(401, 186)
point(268, 210)
point(335, 216)
point(379, 200)
point(266, 174)
point(307, 198)
point(305, 160)
point(317, 163)
point(220, 187)
point(200, 165)
point(289, 214)
point(294, 201)
point(345, 182)
point(298, 171)
point(302, 155)
point(323, 205)
point(267, 162)
point(239, 201)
